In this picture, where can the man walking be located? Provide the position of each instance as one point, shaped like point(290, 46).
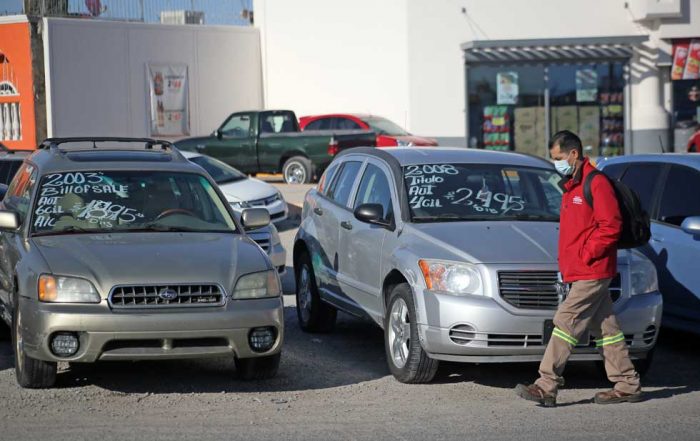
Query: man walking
point(588, 261)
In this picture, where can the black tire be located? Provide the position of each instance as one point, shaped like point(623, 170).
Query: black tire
point(30, 373)
point(642, 366)
point(297, 170)
point(258, 368)
point(417, 367)
point(5, 331)
point(313, 313)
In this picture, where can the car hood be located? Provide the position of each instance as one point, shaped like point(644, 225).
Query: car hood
point(493, 242)
point(418, 140)
point(247, 190)
point(152, 258)
point(190, 144)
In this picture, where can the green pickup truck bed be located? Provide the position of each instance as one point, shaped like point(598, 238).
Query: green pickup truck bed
point(270, 142)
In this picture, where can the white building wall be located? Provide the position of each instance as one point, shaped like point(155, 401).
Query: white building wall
point(97, 83)
point(313, 43)
point(324, 56)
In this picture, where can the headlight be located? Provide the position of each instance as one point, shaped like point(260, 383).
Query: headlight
point(257, 286)
point(240, 205)
point(451, 278)
point(274, 235)
point(57, 289)
point(642, 274)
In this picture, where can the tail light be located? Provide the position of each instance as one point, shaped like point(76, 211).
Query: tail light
point(333, 146)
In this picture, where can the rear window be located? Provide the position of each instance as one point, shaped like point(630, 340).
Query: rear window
point(278, 122)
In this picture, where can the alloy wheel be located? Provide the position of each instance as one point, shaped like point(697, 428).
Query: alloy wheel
point(305, 293)
point(295, 174)
point(399, 332)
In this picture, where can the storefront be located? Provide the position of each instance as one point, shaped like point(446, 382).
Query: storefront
point(521, 92)
point(685, 78)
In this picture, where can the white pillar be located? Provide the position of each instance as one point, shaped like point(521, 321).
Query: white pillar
point(650, 121)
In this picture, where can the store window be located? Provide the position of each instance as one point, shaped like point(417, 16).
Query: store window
point(508, 105)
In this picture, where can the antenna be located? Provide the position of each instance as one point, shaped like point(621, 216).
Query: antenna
point(661, 144)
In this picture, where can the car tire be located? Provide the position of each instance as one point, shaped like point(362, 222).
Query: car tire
point(407, 360)
point(297, 170)
point(30, 373)
point(314, 314)
point(642, 366)
point(5, 331)
point(258, 368)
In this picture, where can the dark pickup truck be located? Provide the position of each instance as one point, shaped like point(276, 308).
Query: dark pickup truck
point(270, 142)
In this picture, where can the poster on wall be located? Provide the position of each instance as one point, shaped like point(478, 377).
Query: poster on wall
point(692, 64)
point(168, 92)
point(507, 88)
point(680, 55)
point(586, 85)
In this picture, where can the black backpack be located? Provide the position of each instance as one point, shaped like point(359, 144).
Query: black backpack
point(635, 221)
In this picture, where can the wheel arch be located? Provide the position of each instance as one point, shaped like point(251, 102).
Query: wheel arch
point(394, 278)
point(290, 154)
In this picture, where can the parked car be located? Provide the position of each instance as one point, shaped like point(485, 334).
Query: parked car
point(453, 252)
point(270, 142)
point(666, 185)
point(122, 249)
point(389, 134)
point(242, 193)
point(694, 142)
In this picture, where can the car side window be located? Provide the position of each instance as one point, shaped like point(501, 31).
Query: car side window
point(19, 193)
point(615, 171)
point(345, 124)
point(342, 185)
point(238, 126)
point(319, 124)
point(675, 204)
point(643, 178)
point(375, 189)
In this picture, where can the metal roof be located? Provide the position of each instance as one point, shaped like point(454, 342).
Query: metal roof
point(553, 49)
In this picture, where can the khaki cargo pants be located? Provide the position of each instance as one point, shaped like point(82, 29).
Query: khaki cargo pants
point(588, 307)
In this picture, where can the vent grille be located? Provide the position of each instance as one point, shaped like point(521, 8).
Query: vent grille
point(164, 296)
point(529, 289)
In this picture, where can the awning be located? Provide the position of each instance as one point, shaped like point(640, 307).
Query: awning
point(551, 50)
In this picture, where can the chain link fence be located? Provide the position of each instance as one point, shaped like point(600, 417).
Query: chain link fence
point(211, 12)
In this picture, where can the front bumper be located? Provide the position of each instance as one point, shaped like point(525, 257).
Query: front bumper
point(278, 211)
point(501, 335)
point(278, 257)
point(106, 334)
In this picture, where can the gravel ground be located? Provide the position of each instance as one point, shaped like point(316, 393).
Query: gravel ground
point(337, 386)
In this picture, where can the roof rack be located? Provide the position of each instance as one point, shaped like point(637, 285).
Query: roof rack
point(149, 143)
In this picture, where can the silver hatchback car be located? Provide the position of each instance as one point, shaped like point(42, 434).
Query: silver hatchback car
point(453, 252)
point(121, 249)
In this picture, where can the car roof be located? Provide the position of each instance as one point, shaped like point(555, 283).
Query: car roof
point(58, 155)
point(689, 159)
point(15, 155)
point(404, 156)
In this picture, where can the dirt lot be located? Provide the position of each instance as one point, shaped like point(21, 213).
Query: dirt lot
point(337, 386)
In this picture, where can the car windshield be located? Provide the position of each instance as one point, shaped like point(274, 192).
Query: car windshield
point(493, 192)
point(220, 172)
point(382, 126)
point(128, 201)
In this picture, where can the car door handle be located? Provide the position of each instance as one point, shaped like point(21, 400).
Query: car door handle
point(318, 211)
point(347, 225)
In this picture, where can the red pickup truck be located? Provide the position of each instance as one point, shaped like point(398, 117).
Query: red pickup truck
point(389, 134)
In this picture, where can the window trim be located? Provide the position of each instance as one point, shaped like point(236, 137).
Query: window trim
point(353, 189)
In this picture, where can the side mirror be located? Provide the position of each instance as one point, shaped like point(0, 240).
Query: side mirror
point(3, 191)
point(691, 225)
point(217, 134)
point(372, 214)
point(252, 218)
point(9, 220)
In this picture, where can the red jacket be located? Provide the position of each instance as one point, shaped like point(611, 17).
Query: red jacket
point(588, 236)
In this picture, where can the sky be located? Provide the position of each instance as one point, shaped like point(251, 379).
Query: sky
point(215, 11)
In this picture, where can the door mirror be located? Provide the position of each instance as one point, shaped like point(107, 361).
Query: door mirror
point(371, 214)
point(3, 191)
point(253, 218)
point(691, 225)
point(217, 134)
point(9, 220)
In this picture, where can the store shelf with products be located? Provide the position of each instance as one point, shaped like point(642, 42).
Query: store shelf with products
point(496, 128)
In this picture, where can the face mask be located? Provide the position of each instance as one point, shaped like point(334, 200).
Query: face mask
point(564, 167)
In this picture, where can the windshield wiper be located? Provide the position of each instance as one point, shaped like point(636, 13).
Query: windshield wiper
point(448, 218)
point(72, 229)
point(160, 228)
point(537, 217)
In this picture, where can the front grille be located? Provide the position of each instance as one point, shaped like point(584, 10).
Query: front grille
point(462, 334)
point(514, 340)
point(155, 296)
point(537, 289)
point(264, 201)
point(529, 289)
point(263, 240)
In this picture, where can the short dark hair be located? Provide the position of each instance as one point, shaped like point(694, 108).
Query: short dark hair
point(567, 141)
